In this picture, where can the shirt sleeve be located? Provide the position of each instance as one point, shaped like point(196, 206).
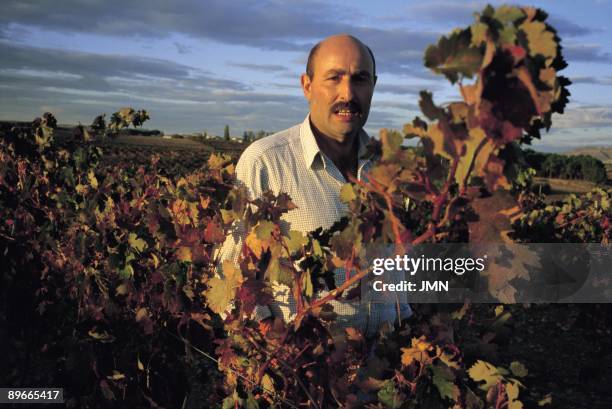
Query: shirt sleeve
point(251, 173)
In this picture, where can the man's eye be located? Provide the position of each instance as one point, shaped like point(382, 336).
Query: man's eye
point(334, 78)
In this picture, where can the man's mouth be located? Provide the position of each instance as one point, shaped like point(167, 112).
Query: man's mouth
point(348, 113)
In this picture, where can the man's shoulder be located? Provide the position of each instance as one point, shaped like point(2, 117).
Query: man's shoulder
point(272, 145)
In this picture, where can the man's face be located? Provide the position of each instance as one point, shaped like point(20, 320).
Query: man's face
point(340, 90)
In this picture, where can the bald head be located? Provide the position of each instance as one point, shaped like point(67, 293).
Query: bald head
point(337, 39)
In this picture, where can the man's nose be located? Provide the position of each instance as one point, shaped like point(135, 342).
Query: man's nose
point(346, 89)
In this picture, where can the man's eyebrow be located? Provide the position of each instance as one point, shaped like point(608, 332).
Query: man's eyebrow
point(334, 71)
point(338, 71)
point(363, 72)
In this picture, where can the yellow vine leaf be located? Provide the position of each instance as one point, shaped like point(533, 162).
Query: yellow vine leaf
point(183, 254)
point(512, 390)
point(472, 93)
point(530, 12)
point(479, 33)
point(295, 241)
point(391, 142)
point(136, 243)
point(347, 193)
point(441, 145)
point(267, 383)
point(418, 352)
point(541, 41)
point(91, 176)
point(548, 76)
point(484, 371)
point(141, 314)
point(476, 137)
point(546, 401)
point(508, 14)
point(259, 239)
point(222, 290)
point(411, 131)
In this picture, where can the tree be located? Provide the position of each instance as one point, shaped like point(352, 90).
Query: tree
point(245, 137)
point(553, 165)
point(226, 133)
point(592, 169)
point(139, 117)
point(572, 168)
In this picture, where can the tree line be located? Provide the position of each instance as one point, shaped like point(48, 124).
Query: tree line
point(553, 165)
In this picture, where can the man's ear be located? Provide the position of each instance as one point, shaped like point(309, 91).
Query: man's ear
point(306, 83)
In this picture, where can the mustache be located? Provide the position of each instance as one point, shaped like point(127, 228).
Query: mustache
point(350, 106)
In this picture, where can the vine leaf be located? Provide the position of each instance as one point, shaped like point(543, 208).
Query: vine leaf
point(295, 241)
point(512, 391)
point(418, 352)
point(222, 290)
point(267, 383)
point(541, 41)
point(483, 371)
point(518, 369)
point(183, 253)
point(137, 243)
point(347, 193)
point(260, 238)
point(388, 395)
point(508, 14)
point(443, 380)
point(213, 233)
point(453, 56)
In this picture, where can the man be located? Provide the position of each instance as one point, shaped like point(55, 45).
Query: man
point(313, 160)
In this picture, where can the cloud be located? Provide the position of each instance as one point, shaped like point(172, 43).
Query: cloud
point(586, 52)
point(446, 12)
point(563, 141)
point(180, 98)
point(588, 116)
point(567, 28)
point(269, 25)
point(404, 89)
point(227, 22)
point(592, 80)
point(96, 71)
point(283, 85)
point(407, 106)
point(460, 13)
point(182, 48)
point(258, 67)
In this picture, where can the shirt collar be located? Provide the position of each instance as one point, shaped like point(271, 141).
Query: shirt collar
point(311, 149)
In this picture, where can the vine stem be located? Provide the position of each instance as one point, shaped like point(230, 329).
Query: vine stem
point(499, 404)
point(286, 366)
point(377, 188)
point(332, 294)
point(241, 376)
point(471, 167)
point(442, 197)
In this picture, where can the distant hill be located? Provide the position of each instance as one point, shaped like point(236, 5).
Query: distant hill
point(604, 154)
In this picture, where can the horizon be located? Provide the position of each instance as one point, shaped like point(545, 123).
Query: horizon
point(197, 67)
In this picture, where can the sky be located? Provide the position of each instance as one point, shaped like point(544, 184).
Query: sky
point(197, 65)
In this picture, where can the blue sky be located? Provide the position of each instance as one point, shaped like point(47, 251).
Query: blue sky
point(198, 65)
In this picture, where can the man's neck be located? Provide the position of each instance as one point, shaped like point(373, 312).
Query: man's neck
point(342, 154)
